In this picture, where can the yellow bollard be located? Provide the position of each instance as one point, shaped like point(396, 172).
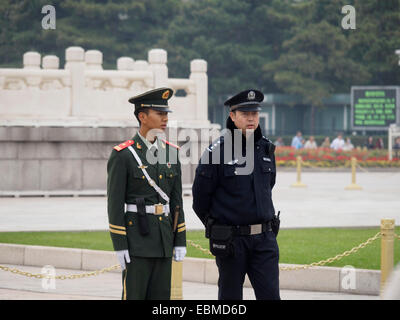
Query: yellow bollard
point(299, 183)
point(387, 250)
point(353, 185)
point(176, 281)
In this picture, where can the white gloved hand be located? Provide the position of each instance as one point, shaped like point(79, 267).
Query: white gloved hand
point(179, 253)
point(123, 255)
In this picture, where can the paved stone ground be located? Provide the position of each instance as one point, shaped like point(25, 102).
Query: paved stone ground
point(323, 203)
point(108, 286)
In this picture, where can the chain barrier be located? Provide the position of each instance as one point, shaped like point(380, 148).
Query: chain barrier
point(308, 164)
point(314, 264)
point(199, 247)
point(361, 168)
point(335, 258)
point(61, 277)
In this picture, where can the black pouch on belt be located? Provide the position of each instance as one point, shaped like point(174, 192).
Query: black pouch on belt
point(221, 241)
point(142, 216)
point(275, 223)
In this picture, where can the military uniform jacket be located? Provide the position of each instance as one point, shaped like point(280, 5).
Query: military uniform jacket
point(232, 199)
point(126, 182)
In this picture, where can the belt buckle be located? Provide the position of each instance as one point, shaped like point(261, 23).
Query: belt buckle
point(255, 229)
point(158, 209)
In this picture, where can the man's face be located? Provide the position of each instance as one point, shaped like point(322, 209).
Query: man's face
point(245, 119)
point(154, 119)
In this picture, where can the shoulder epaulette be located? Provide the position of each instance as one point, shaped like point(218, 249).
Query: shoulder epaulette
point(124, 145)
point(215, 143)
point(266, 139)
point(171, 144)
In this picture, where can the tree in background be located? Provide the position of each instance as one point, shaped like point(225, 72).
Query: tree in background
point(278, 46)
point(315, 62)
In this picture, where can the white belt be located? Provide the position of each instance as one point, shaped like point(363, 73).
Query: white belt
point(156, 209)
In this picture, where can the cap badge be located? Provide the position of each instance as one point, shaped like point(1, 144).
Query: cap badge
point(165, 95)
point(251, 95)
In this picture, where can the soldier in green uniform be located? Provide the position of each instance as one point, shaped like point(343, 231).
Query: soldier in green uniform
point(145, 210)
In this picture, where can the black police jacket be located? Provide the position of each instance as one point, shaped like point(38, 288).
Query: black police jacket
point(223, 193)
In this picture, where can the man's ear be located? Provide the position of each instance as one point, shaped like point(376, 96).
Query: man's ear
point(142, 116)
point(233, 116)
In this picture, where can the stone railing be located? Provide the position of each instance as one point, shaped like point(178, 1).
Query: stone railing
point(83, 91)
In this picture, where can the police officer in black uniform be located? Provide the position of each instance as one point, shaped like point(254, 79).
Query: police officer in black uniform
point(235, 204)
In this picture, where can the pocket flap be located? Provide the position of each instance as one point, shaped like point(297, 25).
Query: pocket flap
point(170, 172)
point(229, 170)
point(268, 167)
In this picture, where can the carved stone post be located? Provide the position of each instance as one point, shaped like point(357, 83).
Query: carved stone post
point(158, 64)
point(75, 63)
point(198, 69)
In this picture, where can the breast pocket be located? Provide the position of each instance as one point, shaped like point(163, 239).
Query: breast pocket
point(230, 172)
point(267, 165)
point(268, 170)
point(137, 173)
point(168, 176)
point(235, 180)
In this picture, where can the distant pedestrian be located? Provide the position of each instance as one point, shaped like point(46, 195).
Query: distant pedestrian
point(396, 147)
point(310, 144)
point(279, 142)
point(338, 143)
point(296, 141)
point(370, 143)
point(379, 144)
point(326, 143)
point(348, 146)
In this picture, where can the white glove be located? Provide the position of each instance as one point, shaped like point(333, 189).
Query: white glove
point(179, 253)
point(123, 255)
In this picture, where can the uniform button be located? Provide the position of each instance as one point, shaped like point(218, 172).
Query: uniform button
point(258, 147)
point(160, 176)
point(170, 175)
point(142, 177)
point(160, 218)
point(235, 172)
point(130, 223)
point(269, 169)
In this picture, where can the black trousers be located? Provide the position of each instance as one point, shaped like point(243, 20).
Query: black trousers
point(147, 279)
point(256, 255)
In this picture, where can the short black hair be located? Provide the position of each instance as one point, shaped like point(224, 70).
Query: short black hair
point(146, 111)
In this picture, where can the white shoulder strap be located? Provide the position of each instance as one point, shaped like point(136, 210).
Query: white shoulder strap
point(150, 180)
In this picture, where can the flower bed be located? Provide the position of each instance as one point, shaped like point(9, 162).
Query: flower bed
point(329, 158)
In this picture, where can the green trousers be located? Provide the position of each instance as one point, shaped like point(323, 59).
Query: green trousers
point(147, 279)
